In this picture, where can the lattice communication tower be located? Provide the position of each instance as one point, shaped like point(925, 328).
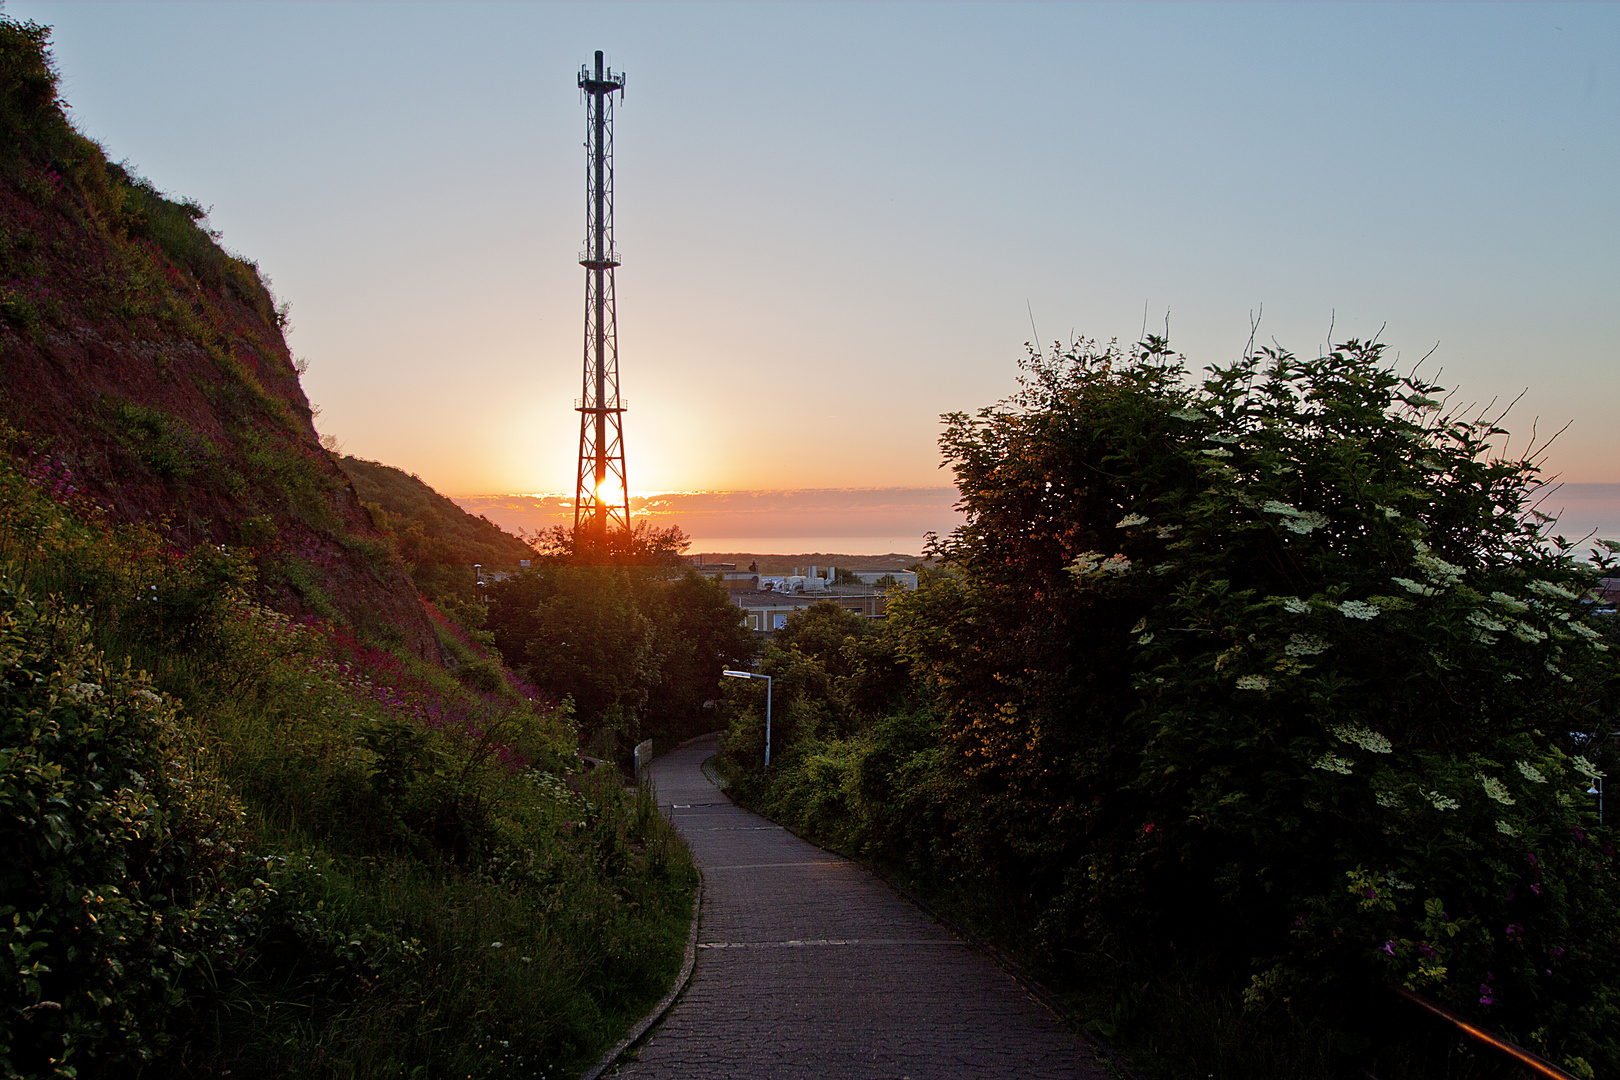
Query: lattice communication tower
point(602, 494)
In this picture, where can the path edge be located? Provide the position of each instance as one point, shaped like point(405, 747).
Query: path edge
point(1032, 986)
point(667, 1002)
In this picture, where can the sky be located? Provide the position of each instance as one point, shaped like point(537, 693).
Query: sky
point(839, 221)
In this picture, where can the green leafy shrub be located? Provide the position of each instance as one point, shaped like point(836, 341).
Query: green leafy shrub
point(1276, 681)
point(118, 892)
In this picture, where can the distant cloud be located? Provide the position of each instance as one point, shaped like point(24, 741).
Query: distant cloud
point(716, 515)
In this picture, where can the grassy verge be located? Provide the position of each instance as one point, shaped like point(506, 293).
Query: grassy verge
point(262, 845)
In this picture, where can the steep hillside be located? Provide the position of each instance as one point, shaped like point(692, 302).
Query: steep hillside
point(147, 369)
point(431, 530)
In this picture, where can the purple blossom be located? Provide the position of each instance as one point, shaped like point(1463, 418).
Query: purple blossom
point(1426, 949)
point(1514, 929)
point(1389, 947)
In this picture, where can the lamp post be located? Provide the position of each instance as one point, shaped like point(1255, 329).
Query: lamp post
point(767, 678)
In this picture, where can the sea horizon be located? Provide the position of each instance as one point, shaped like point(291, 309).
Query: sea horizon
point(881, 521)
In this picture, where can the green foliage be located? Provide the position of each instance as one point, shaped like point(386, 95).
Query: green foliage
point(1277, 676)
point(439, 541)
point(639, 652)
point(289, 852)
point(121, 846)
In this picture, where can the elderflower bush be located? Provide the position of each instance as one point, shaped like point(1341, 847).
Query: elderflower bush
point(1351, 655)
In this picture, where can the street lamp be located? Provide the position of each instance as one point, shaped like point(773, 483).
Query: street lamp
point(767, 678)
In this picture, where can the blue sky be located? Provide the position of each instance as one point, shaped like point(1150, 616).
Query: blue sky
point(838, 220)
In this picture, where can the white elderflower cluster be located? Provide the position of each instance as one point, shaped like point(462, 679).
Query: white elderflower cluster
point(147, 695)
point(1295, 606)
point(1253, 682)
point(1485, 622)
point(1587, 769)
point(1305, 645)
point(1219, 451)
point(1585, 631)
point(1509, 603)
point(1436, 569)
point(1415, 586)
point(1131, 519)
point(84, 691)
point(1495, 789)
point(1531, 773)
point(1441, 802)
point(1333, 763)
point(1366, 738)
point(1527, 633)
point(1505, 829)
point(1167, 531)
point(1294, 520)
point(1116, 564)
point(1356, 609)
point(1229, 440)
point(1389, 800)
point(1085, 563)
point(1390, 512)
point(1551, 590)
point(1190, 414)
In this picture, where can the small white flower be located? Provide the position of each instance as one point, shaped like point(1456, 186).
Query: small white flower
point(1551, 589)
point(1485, 622)
point(1389, 800)
point(1415, 587)
point(1390, 511)
point(1365, 738)
point(147, 695)
point(1253, 682)
point(84, 691)
point(1587, 769)
point(1495, 789)
point(1506, 829)
point(1305, 645)
point(1295, 606)
point(1441, 802)
point(1356, 609)
point(1585, 631)
point(1189, 414)
point(1333, 763)
point(1131, 519)
point(1116, 564)
point(1219, 451)
point(1272, 506)
point(1511, 603)
point(1512, 677)
point(1396, 883)
point(1531, 773)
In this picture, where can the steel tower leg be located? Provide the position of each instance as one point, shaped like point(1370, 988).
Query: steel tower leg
point(602, 493)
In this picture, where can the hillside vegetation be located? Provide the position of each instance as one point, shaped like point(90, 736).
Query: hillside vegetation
point(264, 811)
point(1231, 706)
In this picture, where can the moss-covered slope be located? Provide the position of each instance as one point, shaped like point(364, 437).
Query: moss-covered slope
point(147, 367)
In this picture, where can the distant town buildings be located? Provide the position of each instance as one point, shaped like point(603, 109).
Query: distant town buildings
point(768, 599)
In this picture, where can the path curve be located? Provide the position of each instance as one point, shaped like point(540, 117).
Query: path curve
point(808, 966)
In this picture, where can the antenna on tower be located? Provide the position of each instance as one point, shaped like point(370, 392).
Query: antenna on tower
point(602, 494)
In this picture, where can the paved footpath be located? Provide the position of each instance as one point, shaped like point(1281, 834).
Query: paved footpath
point(808, 966)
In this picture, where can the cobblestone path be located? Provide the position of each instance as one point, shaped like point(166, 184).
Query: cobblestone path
point(808, 966)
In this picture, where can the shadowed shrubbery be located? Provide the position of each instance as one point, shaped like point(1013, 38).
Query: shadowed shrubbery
point(1260, 695)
